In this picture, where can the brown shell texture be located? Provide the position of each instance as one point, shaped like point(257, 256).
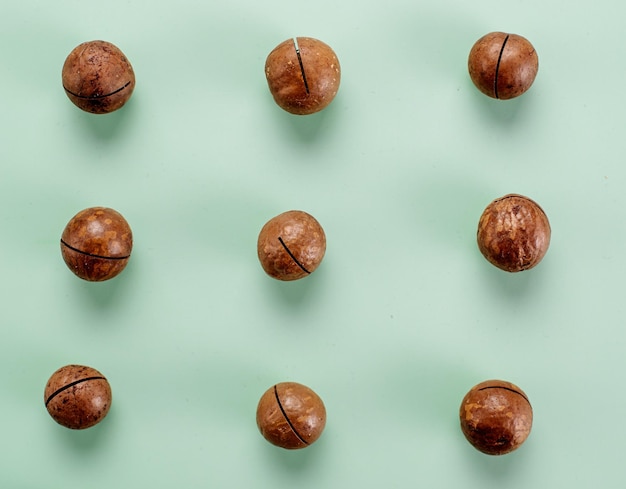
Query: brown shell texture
point(291, 245)
point(97, 77)
point(303, 75)
point(291, 415)
point(513, 233)
point(96, 244)
point(496, 417)
point(77, 396)
point(503, 66)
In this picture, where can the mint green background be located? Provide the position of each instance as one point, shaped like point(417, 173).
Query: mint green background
point(403, 316)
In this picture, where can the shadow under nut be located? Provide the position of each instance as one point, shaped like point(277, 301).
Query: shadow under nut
point(513, 233)
point(77, 397)
point(96, 244)
point(496, 417)
point(303, 80)
point(291, 415)
point(97, 77)
point(291, 245)
point(503, 66)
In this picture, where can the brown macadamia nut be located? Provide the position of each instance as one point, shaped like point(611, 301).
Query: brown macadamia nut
point(291, 245)
point(291, 415)
point(77, 397)
point(503, 66)
point(496, 417)
point(96, 244)
point(97, 77)
point(303, 75)
point(513, 233)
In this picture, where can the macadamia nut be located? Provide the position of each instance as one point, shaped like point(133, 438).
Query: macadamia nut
point(97, 77)
point(291, 415)
point(496, 417)
point(291, 245)
point(503, 66)
point(77, 396)
point(303, 75)
point(96, 244)
point(513, 233)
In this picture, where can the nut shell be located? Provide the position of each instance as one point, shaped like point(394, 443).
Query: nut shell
point(97, 77)
point(291, 245)
point(303, 81)
point(291, 415)
point(96, 244)
point(513, 233)
point(496, 417)
point(503, 66)
point(77, 396)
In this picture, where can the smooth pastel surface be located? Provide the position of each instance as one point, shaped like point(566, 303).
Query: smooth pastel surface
point(404, 316)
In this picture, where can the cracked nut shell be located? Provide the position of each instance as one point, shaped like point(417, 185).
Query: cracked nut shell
point(503, 66)
point(291, 415)
point(303, 75)
point(496, 417)
point(291, 245)
point(96, 244)
point(77, 396)
point(513, 233)
point(97, 77)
